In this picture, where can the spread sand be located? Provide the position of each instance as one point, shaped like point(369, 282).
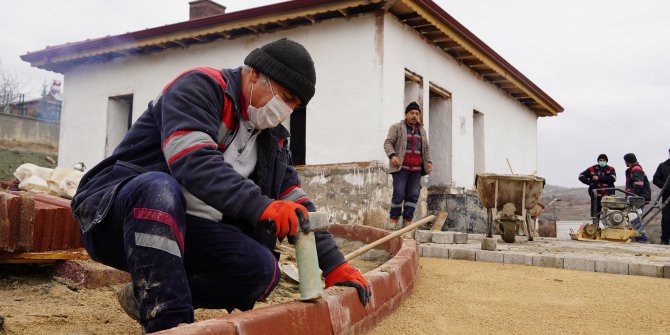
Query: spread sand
point(462, 297)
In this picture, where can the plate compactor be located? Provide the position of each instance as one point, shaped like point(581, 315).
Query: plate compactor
point(621, 218)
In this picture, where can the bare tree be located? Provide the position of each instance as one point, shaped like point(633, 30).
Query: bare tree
point(11, 88)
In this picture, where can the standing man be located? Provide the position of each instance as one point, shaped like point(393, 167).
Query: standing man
point(638, 184)
point(406, 146)
point(660, 178)
point(192, 201)
point(598, 176)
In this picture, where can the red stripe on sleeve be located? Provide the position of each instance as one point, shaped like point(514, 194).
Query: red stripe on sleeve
point(288, 190)
point(189, 149)
point(175, 134)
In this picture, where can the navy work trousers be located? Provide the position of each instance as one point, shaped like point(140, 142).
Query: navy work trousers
point(665, 225)
point(179, 262)
point(406, 187)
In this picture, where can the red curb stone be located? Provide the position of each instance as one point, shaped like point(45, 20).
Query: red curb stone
point(299, 318)
point(216, 326)
point(390, 283)
point(90, 274)
point(66, 233)
point(4, 222)
point(25, 226)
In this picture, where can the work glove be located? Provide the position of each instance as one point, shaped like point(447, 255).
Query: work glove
point(285, 215)
point(347, 275)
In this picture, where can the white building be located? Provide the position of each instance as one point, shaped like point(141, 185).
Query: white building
point(372, 58)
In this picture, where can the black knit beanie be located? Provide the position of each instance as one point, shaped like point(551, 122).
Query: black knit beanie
point(630, 158)
point(288, 63)
point(603, 157)
point(412, 106)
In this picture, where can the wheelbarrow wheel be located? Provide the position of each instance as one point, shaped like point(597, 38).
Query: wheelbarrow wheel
point(508, 231)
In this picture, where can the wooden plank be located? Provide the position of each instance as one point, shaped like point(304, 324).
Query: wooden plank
point(40, 257)
point(439, 222)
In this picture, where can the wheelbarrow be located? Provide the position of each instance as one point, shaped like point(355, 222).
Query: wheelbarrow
point(508, 200)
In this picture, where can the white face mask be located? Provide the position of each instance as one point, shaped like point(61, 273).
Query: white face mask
point(272, 114)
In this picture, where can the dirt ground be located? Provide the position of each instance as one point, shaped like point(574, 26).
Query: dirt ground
point(32, 302)
point(462, 297)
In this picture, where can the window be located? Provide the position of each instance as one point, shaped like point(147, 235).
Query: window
point(119, 120)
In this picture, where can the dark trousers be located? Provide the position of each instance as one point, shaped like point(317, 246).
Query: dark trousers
point(406, 187)
point(179, 262)
point(665, 224)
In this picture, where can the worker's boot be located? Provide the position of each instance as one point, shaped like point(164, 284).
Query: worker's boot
point(392, 224)
point(128, 301)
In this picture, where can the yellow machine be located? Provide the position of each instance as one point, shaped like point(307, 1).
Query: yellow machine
point(619, 220)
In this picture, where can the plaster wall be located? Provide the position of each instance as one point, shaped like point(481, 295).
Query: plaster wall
point(510, 129)
point(340, 117)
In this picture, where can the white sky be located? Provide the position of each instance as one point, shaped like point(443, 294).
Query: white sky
point(606, 62)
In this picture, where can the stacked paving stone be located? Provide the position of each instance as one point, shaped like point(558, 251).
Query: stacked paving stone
point(440, 237)
point(608, 257)
point(31, 222)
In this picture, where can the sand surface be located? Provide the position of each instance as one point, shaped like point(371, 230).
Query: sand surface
point(33, 302)
point(462, 297)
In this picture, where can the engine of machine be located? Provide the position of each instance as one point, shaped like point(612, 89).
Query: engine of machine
point(615, 212)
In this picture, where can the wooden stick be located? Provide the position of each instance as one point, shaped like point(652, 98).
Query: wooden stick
point(387, 238)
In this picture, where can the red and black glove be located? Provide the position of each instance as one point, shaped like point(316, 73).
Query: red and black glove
point(283, 214)
point(347, 275)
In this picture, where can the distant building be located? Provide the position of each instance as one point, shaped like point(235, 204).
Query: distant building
point(48, 107)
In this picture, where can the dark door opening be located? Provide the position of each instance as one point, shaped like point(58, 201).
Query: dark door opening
point(298, 135)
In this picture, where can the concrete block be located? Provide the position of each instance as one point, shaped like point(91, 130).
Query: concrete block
point(460, 238)
point(548, 261)
point(489, 256)
point(464, 254)
point(423, 236)
point(649, 270)
point(616, 267)
point(666, 271)
point(427, 250)
point(443, 237)
point(517, 258)
point(579, 263)
point(489, 243)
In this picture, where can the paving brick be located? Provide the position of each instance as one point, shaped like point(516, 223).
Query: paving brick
point(58, 234)
point(4, 222)
point(460, 238)
point(579, 263)
point(90, 274)
point(432, 250)
point(548, 261)
point(489, 243)
point(423, 236)
point(650, 270)
point(442, 237)
point(26, 224)
point(464, 254)
point(517, 258)
point(610, 266)
point(489, 256)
